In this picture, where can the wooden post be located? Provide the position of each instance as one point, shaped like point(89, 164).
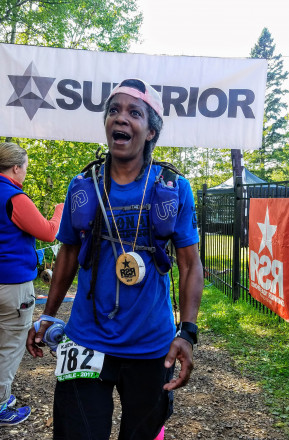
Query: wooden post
point(203, 227)
point(238, 189)
point(239, 171)
point(237, 164)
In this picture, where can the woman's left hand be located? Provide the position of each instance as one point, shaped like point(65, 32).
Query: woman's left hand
point(182, 350)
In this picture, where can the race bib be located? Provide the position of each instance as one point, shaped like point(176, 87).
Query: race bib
point(75, 361)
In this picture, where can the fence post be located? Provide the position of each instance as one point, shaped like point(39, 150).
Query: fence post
point(203, 226)
point(236, 238)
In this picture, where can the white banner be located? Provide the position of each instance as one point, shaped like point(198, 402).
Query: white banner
point(49, 93)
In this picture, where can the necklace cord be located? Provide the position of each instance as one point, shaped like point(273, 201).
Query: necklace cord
point(116, 228)
point(139, 217)
point(141, 206)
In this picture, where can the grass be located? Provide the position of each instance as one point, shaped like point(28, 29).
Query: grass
point(44, 288)
point(222, 244)
point(258, 344)
point(40, 286)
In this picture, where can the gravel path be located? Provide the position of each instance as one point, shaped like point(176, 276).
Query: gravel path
point(218, 403)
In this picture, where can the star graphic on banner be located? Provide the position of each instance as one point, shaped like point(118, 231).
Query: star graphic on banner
point(31, 91)
point(267, 233)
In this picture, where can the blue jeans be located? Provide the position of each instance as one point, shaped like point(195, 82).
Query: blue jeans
point(83, 407)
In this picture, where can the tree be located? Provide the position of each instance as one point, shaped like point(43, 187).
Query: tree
point(200, 165)
point(83, 24)
point(108, 25)
point(266, 161)
point(52, 165)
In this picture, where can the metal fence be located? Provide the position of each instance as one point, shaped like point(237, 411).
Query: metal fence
point(223, 217)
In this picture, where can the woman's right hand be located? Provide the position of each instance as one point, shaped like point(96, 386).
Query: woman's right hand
point(34, 340)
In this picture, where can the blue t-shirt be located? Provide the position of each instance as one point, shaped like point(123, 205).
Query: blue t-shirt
point(144, 326)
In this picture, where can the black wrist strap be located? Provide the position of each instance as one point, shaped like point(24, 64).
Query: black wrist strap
point(188, 331)
point(185, 335)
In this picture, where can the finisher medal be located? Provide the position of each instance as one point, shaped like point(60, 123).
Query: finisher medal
point(130, 268)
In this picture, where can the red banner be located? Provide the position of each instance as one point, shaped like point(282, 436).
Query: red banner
point(269, 253)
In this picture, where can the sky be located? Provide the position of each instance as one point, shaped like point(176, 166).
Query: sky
point(212, 28)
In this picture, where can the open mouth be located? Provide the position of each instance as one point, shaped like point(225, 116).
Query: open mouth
point(120, 135)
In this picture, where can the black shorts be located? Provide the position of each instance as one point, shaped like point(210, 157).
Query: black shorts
point(83, 407)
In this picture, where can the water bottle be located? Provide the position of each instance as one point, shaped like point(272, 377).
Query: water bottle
point(53, 334)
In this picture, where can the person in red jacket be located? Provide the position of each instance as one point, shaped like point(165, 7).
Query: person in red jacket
point(20, 224)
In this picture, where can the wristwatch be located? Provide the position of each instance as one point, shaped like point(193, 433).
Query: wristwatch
point(188, 331)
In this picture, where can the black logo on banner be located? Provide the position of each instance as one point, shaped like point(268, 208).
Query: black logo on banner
point(31, 91)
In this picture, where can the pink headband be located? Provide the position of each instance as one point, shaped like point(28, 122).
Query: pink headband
point(151, 96)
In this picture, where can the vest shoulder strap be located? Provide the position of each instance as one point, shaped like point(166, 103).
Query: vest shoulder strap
point(169, 175)
point(169, 172)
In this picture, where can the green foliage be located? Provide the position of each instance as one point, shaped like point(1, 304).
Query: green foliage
point(83, 24)
point(269, 162)
point(108, 25)
point(199, 165)
point(214, 168)
point(52, 164)
point(183, 158)
point(258, 344)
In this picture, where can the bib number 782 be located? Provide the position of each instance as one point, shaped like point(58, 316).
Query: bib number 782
point(70, 359)
point(75, 361)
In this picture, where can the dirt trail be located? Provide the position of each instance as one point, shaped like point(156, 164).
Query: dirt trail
point(218, 403)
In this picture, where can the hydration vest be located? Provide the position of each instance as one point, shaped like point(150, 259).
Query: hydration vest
point(163, 210)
